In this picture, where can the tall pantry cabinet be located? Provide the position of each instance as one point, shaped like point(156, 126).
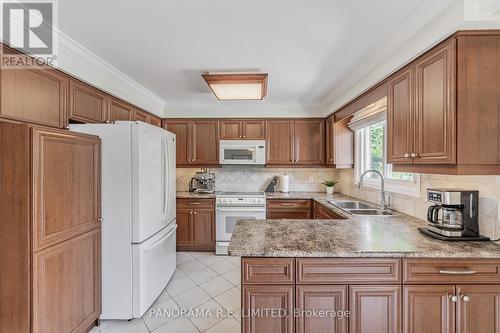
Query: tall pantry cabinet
point(51, 228)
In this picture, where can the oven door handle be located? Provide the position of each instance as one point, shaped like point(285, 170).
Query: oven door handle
point(240, 209)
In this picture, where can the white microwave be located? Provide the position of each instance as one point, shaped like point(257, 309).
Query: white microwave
point(248, 152)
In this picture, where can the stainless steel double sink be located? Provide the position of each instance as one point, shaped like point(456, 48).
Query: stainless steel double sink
point(360, 208)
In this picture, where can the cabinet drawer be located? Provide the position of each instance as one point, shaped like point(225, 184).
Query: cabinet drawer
point(423, 271)
point(195, 203)
point(348, 271)
point(288, 204)
point(289, 214)
point(268, 270)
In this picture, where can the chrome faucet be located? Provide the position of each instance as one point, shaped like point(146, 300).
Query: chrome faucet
point(382, 186)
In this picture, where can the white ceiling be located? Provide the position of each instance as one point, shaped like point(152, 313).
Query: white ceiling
point(306, 46)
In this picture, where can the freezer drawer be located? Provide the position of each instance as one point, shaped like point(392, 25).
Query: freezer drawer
point(154, 264)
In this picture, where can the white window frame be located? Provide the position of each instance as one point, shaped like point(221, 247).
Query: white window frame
point(391, 185)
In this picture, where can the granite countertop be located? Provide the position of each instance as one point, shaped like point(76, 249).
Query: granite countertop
point(192, 195)
point(356, 236)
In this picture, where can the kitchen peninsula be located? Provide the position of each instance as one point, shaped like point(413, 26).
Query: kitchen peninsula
point(387, 275)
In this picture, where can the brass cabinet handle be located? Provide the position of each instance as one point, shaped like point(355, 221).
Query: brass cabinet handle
point(444, 271)
point(465, 298)
point(191, 213)
point(406, 155)
point(413, 155)
point(453, 298)
point(194, 213)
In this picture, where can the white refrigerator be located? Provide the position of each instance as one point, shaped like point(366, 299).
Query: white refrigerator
point(138, 210)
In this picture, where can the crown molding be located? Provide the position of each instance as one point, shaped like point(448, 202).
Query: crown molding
point(75, 59)
point(226, 109)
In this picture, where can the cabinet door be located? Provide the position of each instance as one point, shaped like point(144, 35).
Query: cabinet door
point(435, 132)
point(329, 141)
point(400, 113)
point(86, 103)
point(254, 129)
point(479, 309)
point(339, 143)
point(289, 214)
point(331, 299)
point(119, 110)
point(184, 229)
point(429, 309)
point(279, 139)
point(230, 129)
point(309, 141)
point(205, 139)
point(375, 309)
point(34, 95)
point(204, 229)
point(153, 120)
point(67, 285)
point(66, 185)
point(183, 141)
point(276, 305)
point(140, 115)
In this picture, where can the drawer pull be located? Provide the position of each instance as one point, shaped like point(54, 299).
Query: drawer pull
point(443, 271)
point(194, 203)
point(465, 298)
point(288, 204)
point(453, 298)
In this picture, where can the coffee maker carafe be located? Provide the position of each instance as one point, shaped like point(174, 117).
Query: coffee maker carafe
point(454, 215)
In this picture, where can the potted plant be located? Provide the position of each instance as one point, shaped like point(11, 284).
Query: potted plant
point(330, 185)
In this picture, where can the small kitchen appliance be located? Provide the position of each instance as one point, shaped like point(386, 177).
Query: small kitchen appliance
point(242, 152)
point(454, 215)
point(202, 182)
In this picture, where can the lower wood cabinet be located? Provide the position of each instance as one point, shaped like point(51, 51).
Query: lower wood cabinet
point(375, 309)
point(268, 308)
point(429, 309)
point(328, 302)
point(195, 225)
point(67, 285)
point(289, 209)
point(50, 278)
point(367, 295)
point(321, 212)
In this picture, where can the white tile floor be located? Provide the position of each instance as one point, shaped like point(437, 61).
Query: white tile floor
point(204, 282)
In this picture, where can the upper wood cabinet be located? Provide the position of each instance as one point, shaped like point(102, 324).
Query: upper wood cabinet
point(197, 141)
point(421, 113)
point(400, 116)
point(86, 103)
point(235, 129)
point(38, 96)
point(435, 112)
point(442, 108)
point(298, 142)
point(140, 115)
point(119, 110)
point(339, 143)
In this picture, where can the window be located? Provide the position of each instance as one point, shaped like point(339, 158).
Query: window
point(370, 141)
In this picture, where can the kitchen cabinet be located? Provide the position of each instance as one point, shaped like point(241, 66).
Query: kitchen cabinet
point(119, 110)
point(195, 224)
point(50, 240)
point(322, 298)
point(478, 309)
point(295, 142)
point(421, 110)
point(197, 141)
point(234, 129)
point(289, 209)
point(339, 143)
point(34, 95)
point(140, 115)
point(266, 297)
point(309, 141)
point(86, 103)
point(375, 309)
point(400, 113)
point(321, 212)
point(441, 108)
point(154, 120)
point(429, 308)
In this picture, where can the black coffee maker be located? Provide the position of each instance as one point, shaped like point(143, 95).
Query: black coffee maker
point(454, 215)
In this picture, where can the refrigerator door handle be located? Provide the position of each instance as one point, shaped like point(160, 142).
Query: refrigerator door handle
point(159, 241)
point(166, 181)
point(163, 176)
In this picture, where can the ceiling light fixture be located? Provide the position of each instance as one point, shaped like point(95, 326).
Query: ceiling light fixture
point(237, 86)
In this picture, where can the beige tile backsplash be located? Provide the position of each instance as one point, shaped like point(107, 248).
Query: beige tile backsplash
point(253, 178)
point(250, 178)
point(488, 187)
